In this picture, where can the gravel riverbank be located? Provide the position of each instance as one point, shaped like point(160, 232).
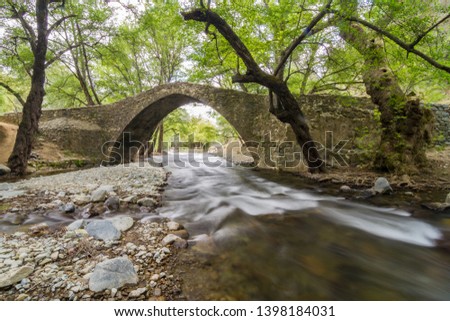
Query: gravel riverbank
point(116, 246)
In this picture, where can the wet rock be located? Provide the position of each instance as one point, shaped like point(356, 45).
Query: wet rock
point(103, 230)
point(15, 275)
point(146, 202)
point(13, 218)
point(5, 186)
point(136, 293)
point(113, 273)
point(180, 243)
point(39, 228)
point(382, 186)
point(4, 170)
point(75, 225)
point(169, 239)
point(173, 226)
point(122, 223)
point(345, 189)
point(112, 203)
point(437, 206)
point(69, 208)
point(181, 233)
point(153, 219)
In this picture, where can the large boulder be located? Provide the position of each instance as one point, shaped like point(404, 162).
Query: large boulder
point(112, 274)
point(122, 223)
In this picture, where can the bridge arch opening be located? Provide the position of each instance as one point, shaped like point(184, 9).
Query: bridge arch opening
point(137, 136)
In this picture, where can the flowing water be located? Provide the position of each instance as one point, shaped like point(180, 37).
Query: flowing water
point(261, 238)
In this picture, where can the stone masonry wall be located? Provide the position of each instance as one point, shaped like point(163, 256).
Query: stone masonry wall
point(442, 124)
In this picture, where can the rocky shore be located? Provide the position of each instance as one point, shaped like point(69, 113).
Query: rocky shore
point(116, 246)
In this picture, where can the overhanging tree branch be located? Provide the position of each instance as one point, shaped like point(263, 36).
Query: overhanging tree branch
point(59, 54)
point(422, 35)
point(208, 16)
point(26, 26)
point(398, 41)
point(13, 92)
point(306, 32)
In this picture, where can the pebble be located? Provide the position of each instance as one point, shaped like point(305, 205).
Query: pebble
point(138, 292)
point(173, 226)
point(146, 202)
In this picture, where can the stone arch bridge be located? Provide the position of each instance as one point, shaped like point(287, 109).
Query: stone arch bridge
point(85, 130)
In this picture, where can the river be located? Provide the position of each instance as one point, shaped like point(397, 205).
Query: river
point(258, 237)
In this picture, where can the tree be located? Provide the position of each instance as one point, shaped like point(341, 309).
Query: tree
point(283, 103)
point(38, 42)
point(403, 121)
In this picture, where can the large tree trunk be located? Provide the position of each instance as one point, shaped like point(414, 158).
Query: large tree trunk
point(32, 108)
point(404, 123)
point(286, 108)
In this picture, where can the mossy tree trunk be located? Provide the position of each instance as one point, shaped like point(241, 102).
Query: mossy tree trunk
point(404, 123)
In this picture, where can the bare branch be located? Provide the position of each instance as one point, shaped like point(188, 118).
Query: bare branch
point(13, 92)
point(60, 53)
point(422, 35)
point(208, 16)
point(306, 32)
point(397, 40)
point(58, 23)
point(25, 25)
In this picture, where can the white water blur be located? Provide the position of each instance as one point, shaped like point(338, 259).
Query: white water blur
point(206, 196)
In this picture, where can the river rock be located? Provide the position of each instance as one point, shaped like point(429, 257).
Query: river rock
point(179, 243)
point(122, 223)
point(153, 219)
point(173, 226)
point(112, 203)
point(98, 195)
point(181, 233)
point(113, 273)
point(103, 230)
point(4, 170)
point(169, 239)
point(5, 186)
point(382, 186)
point(75, 225)
point(15, 275)
point(69, 208)
point(447, 199)
point(345, 189)
point(13, 218)
point(147, 202)
point(130, 199)
point(136, 293)
point(81, 199)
